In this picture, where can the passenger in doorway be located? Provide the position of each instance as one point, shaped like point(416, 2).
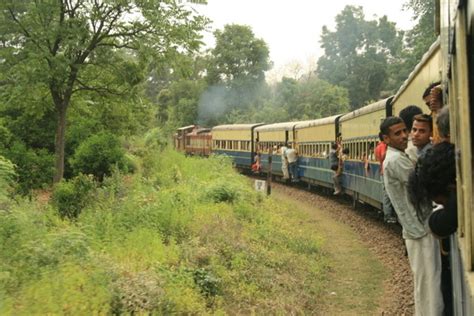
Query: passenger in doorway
point(433, 98)
point(256, 166)
point(422, 248)
point(442, 122)
point(292, 157)
point(389, 216)
point(434, 179)
point(334, 165)
point(284, 163)
point(421, 133)
point(407, 115)
point(343, 155)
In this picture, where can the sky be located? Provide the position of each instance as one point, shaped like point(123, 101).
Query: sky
point(292, 29)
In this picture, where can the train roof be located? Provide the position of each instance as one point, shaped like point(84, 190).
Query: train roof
point(317, 122)
point(426, 57)
point(199, 130)
point(186, 127)
point(373, 107)
point(285, 126)
point(235, 127)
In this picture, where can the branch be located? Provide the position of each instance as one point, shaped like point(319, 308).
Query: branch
point(103, 91)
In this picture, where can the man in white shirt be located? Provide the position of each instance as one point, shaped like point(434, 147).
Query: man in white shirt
point(422, 247)
point(292, 157)
point(284, 162)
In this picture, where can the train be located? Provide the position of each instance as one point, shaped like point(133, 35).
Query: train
point(450, 60)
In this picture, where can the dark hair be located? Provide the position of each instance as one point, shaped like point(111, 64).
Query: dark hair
point(424, 118)
point(345, 151)
point(428, 89)
point(408, 113)
point(434, 172)
point(389, 122)
point(442, 120)
point(333, 145)
point(381, 136)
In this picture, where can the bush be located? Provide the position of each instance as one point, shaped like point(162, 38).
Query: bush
point(35, 167)
point(223, 191)
point(98, 155)
point(7, 175)
point(70, 197)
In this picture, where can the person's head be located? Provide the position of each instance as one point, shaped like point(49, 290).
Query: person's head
point(381, 136)
point(408, 113)
point(433, 96)
point(334, 145)
point(427, 92)
point(421, 130)
point(394, 132)
point(434, 176)
point(442, 120)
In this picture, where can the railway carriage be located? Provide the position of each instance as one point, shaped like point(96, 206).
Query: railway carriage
point(426, 72)
point(360, 134)
point(198, 142)
point(456, 25)
point(235, 141)
point(314, 143)
point(269, 136)
point(180, 137)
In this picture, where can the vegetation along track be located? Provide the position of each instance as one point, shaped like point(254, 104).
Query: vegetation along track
point(383, 241)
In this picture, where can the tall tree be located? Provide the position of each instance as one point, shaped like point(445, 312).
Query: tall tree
point(238, 63)
point(358, 54)
point(64, 47)
point(423, 34)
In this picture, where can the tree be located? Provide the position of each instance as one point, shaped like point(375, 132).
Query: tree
point(423, 34)
point(358, 54)
point(238, 63)
point(62, 48)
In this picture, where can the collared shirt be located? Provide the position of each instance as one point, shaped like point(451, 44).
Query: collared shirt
point(397, 168)
point(411, 150)
point(291, 155)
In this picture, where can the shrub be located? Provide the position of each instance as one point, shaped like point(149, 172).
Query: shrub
point(98, 155)
point(35, 167)
point(7, 174)
point(70, 197)
point(222, 191)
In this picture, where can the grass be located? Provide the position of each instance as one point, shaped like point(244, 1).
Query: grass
point(354, 283)
point(180, 235)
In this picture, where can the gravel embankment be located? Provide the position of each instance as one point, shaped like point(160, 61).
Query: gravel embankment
point(383, 240)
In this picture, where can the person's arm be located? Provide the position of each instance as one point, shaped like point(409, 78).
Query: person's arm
point(444, 222)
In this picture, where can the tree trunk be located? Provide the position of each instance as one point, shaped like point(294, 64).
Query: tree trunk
point(60, 143)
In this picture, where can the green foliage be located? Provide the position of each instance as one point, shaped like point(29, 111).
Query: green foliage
point(71, 289)
point(358, 55)
point(167, 241)
point(223, 191)
point(52, 56)
point(7, 178)
point(71, 196)
point(423, 34)
point(33, 166)
point(98, 155)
